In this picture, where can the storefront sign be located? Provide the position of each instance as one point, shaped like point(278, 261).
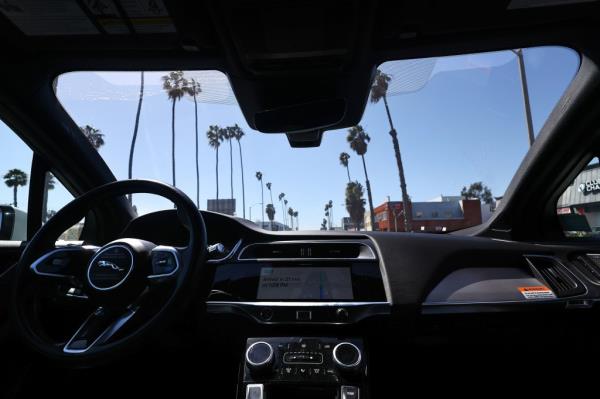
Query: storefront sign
point(590, 187)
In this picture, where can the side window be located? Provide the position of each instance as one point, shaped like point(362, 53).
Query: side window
point(15, 167)
point(55, 197)
point(578, 208)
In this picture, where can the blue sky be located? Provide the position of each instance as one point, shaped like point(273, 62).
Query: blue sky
point(465, 124)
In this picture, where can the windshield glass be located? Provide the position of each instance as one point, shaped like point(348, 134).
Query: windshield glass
point(460, 122)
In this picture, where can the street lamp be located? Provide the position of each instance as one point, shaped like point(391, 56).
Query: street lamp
point(524, 88)
point(250, 210)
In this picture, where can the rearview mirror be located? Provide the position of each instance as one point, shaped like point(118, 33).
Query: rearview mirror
point(301, 117)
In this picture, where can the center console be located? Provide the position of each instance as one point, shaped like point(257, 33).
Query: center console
point(297, 367)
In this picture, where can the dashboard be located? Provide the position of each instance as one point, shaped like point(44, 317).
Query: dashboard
point(311, 312)
point(347, 277)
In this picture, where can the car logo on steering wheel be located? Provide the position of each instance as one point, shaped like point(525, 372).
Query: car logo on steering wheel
point(105, 263)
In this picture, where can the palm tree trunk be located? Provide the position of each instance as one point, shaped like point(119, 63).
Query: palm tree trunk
point(271, 195)
point(405, 199)
point(243, 188)
point(197, 166)
point(135, 131)
point(262, 204)
point(372, 213)
point(231, 167)
point(348, 171)
point(15, 195)
point(217, 171)
point(283, 214)
point(173, 141)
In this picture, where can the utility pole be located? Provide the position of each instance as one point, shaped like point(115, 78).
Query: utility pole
point(525, 89)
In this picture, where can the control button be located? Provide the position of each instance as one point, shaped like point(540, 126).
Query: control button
point(347, 356)
point(254, 391)
point(304, 315)
point(259, 356)
point(342, 314)
point(303, 371)
point(316, 371)
point(265, 314)
point(349, 392)
point(287, 371)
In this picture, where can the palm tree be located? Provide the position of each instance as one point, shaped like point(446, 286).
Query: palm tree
point(296, 216)
point(379, 92)
point(324, 224)
point(291, 213)
point(259, 176)
point(214, 140)
point(270, 210)
point(281, 195)
point(176, 86)
point(95, 137)
point(237, 134)
point(135, 130)
point(50, 184)
point(344, 158)
point(355, 203)
point(228, 135)
point(15, 178)
point(328, 214)
point(331, 214)
point(359, 142)
point(271, 195)
point(193, 91)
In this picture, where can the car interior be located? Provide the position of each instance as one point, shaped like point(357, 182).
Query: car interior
point(188, 301)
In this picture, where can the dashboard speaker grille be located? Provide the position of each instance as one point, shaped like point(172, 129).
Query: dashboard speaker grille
point(556, 276)
point(589, 265)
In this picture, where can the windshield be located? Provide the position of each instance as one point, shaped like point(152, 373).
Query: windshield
point(462, 125)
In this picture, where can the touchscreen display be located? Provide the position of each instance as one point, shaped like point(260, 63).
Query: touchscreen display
point(305, 283)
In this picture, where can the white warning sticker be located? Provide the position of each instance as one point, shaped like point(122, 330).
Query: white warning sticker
point(537, 292)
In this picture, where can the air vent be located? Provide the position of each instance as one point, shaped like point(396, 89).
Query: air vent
point(556, 276)
point(589, 265)
point(307, 250)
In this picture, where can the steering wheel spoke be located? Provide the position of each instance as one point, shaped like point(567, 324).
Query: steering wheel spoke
point(98, 328)
point(164, 261)
point(65, 263)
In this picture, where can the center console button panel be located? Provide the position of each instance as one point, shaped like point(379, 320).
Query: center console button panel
point(279, 363)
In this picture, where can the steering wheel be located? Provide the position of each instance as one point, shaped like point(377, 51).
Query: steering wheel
point(130, 288)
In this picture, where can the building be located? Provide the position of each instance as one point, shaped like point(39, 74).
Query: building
point(277, 226)
point(226, 206)
point(442, 214)
point(578, 208)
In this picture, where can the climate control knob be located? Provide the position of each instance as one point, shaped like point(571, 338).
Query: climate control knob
point(259, 357)
point(347, 356)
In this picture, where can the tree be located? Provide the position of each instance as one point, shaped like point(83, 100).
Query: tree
point(355, 203)
point(359, 142)
point(228, 135)
point(237, 134)
point(135, 131)
point(15, 178)
point(324, 224)
point(259, 177)
point(271, 195)
point(193, 91)
point(296, 216)
point(291, 213)
point(270, 210)
point(344, 158)
point(281, 196)
point(176, 86)
point(379, 92)
point(478, 190)
point(330, 203)
point(214, 140)
point(50, 184)
point(94, 136)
